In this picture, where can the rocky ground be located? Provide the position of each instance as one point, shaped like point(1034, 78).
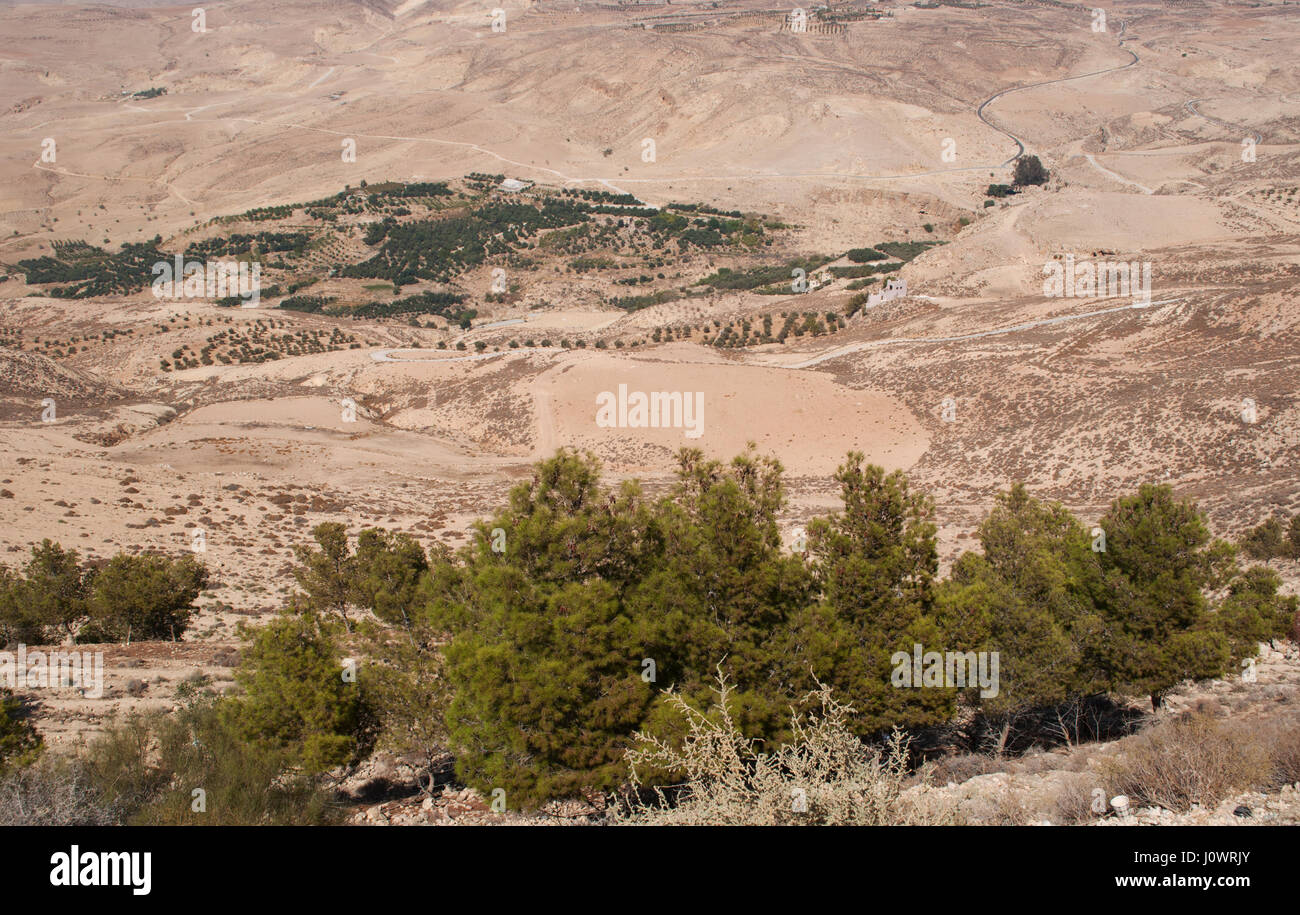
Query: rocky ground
point(1041, 788)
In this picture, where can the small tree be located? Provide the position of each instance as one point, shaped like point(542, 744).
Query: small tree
point(1159, 623)
point(406, 687)
point(876, 562)
point(1029, 597)
point(52, 592)
point(1029, 171)
point(1253, 611)
point(544, 658)
point(326, 575)
point(146, 597)
point(386, 571)
point(1273, 538)
point(245, 783)
point(296, 694)
point(724, 592)
point(17, 623)
point(19, 742)
point(1266, 541)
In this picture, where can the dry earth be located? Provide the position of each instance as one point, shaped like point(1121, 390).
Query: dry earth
point(975, 380)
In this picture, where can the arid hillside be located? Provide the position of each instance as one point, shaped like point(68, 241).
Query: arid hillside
point(705, 202)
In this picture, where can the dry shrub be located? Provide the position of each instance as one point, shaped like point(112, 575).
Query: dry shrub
point(823, 776)
point(962, 768)
point(226, 657)
point(1283, 741)
point(1008, 808)
point(55, 792)
point(1209, 706)
point(1191, 759)
point(999, 803)
point(1037, 763)
point(141, 771)
point(1074, 802)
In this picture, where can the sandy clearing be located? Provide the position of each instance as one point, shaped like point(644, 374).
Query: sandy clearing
point(1110, 174)
point(807, 420)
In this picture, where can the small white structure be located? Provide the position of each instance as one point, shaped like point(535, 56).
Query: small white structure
point(894, 289)
point(514, 185)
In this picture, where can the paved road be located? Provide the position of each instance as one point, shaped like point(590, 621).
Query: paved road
point(1020, 146)
point(1190, 105)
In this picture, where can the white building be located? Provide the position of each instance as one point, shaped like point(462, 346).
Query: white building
point(894, 289)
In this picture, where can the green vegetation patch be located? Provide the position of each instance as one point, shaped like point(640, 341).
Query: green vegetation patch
point(754, 277)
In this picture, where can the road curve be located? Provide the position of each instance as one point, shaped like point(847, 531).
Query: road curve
point(1020, 146)
point(1190, 105)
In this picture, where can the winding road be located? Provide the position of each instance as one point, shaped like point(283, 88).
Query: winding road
point(1190, 105)
point(1020, 146)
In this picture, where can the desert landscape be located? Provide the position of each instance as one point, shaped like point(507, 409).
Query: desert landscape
point(829, 230)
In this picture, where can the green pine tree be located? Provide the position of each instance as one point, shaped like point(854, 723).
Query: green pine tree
point(1029, 170)
point(1030, 597)
point(721, 597)
point(876, 563)
point(1159, 623)
point(385, 575)
point(51, 595)
point(146, 597)
point(297, 694)
point(327, 575)
point(544, 661)
point(19, 742)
